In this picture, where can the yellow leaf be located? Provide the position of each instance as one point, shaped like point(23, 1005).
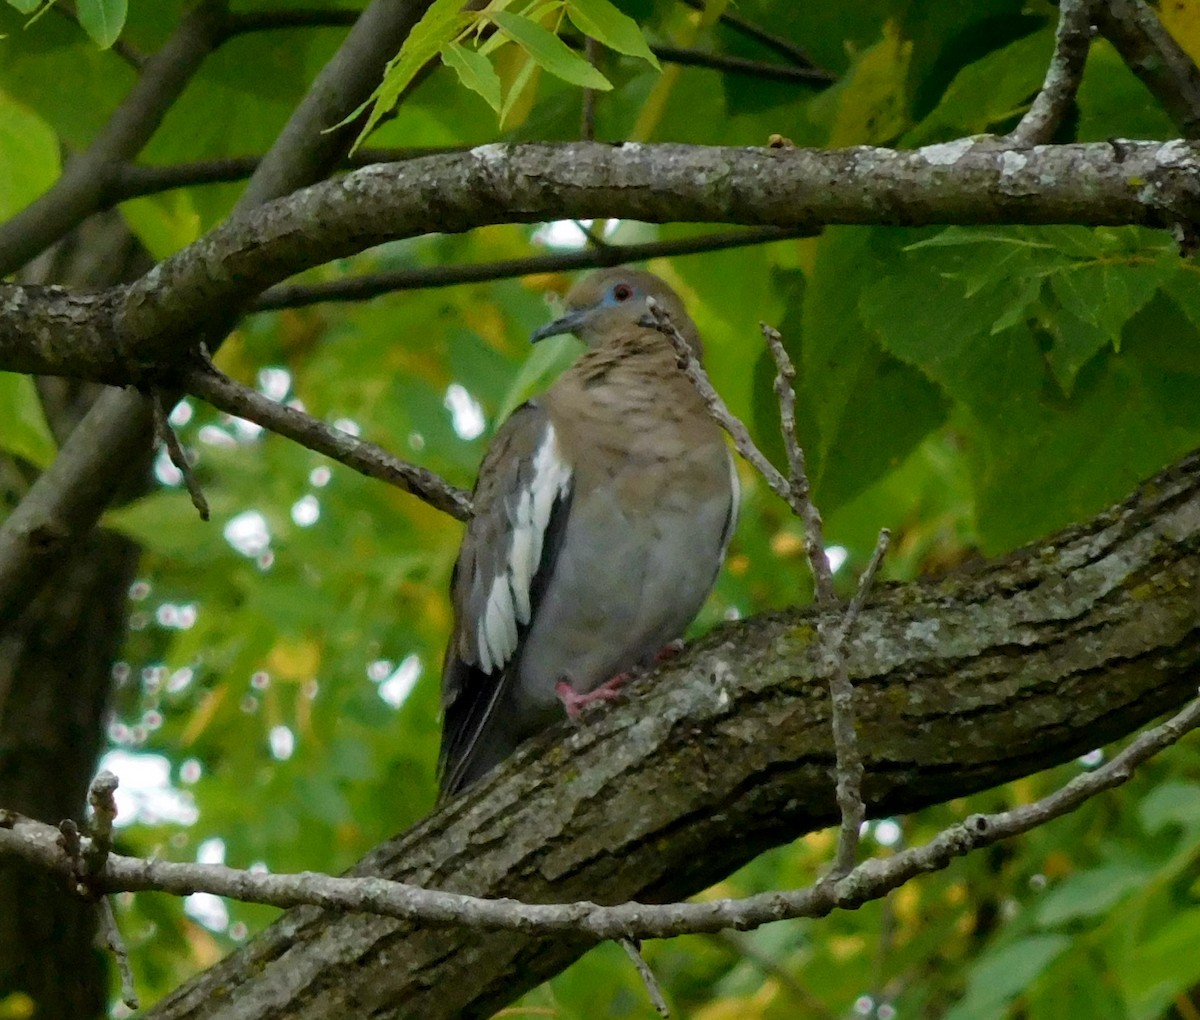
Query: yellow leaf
point(294, 660)
point(203, 715)
point(17, 1006)
point(1182, 19)
point(873, 103)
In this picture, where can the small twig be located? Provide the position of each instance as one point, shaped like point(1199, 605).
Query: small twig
point(795, 490)
point(72, 847)
point(360, 288)
point(690, 365)
point(110, 935)
point(373, 461)
point(798, 497)
point(133, 180)
point(845, 729)
point(634, 952)
point(740, 65)
point(166, 436)
point(784, 47)
point(587, 115)
point(1071, 43)
point(104, 813)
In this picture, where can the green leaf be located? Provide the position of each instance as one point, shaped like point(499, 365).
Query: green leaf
point(604, 23)
point(1075, 344)
point(26, 6)
point(167, 523)
point(163, 223)
point(1090, 893)
point(475, 71)
point(999, 976)
point(439, 26)
point(549, 51)
point(29, 156)
point(1161, 968)
point(25, 431)
point(102, 20)
point(988, 92)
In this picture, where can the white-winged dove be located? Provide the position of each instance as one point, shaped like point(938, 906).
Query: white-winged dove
point(602, 512)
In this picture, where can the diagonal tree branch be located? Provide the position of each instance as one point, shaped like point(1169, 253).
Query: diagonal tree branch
point(1071, 43)
point(1155, 57)
point(367, 458)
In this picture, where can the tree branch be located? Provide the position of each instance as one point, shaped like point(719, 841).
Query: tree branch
point(726, 751)
point(132, 180)
point(1071, 43)
point(1155, 57)
point(37, 843)
point(367, 458)
point(150, 323)
point(362, 288)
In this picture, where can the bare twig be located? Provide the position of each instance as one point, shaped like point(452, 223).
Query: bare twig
point(587, 115)
point(849, 768)
point(690, 365)
point(104, 813)
point(784, 47)
point(373, 461)
point(740, 65)
point(798, 488)
point(634, 952)
point(1155, 57)
point(110, 934)
point(38, 844)
point(1071, 43)
point(166, 436)
point(131, 180)
point(360, 288)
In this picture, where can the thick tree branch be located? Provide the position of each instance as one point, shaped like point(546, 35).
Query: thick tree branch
point(152, 323)
point(960, 684)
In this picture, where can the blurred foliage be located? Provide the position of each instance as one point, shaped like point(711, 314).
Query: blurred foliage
point(972, 390)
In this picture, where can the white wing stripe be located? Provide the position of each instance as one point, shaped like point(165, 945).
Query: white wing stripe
point(508, 601)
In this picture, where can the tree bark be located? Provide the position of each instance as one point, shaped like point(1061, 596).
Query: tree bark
point(962, 683)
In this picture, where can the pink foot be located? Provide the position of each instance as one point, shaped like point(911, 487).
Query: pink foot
point(574, 702)
point(669, 650)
